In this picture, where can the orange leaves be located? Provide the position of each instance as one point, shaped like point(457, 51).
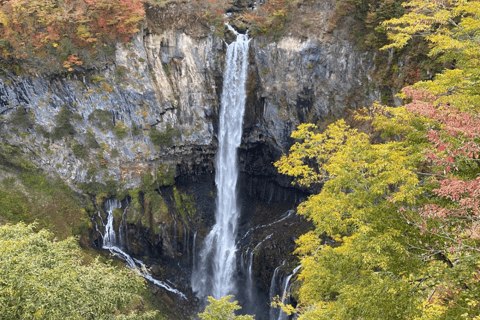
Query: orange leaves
point(86, 23)
point(71, 61)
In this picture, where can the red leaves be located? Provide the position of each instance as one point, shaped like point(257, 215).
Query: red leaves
point(454, 153)
point(45, 23)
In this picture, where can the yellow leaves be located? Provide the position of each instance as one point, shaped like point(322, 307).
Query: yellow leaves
point(442, 16)
point(431, 311)
point(287, 308)
point(308, 243)
point(317, 147)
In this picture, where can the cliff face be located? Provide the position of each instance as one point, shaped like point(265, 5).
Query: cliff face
point(168, 86)
point(152, 114)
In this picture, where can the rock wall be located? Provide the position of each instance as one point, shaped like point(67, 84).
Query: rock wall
point(151, 116)
point(171, 84)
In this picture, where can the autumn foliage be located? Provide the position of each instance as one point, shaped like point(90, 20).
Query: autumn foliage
point(397, 222)
point(67, 30)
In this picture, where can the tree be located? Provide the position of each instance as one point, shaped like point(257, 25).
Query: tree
point(354, 261)
point(45, 279)
point(68, 30)
point(452, 28)
point(222, 309)
point(397, 222)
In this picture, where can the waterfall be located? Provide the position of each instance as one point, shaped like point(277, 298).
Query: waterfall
point(285, 293)
point(217, 263)
point(249, 255)
point(115, 247)
point(274, 312)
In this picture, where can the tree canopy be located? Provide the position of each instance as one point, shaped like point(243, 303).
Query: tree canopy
point(70, 31)
point(45, 279)
point(222, 309)
point(397, 222)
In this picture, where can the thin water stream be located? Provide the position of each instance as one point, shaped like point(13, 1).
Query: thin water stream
point(111, 243)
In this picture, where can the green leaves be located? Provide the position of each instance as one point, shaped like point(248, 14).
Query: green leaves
point(44, 279)
point(365, 184)
point(222, 310)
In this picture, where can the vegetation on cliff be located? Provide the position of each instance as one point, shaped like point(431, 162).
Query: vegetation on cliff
point(397, 221)
point(43, 272)
point(45, 279)
point(58, 35)
point(222, 309)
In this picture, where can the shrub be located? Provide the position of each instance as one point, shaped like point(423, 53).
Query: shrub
point(79, 151)
point(120, 130)
point(114, 153)
point(102, 119)
point(41, 130)
point(64, 127)
point(21, 118)
point(91, 141)
point(164, 138)
point(136, 130)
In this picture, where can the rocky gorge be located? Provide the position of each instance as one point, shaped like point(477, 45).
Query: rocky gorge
point(144, 130)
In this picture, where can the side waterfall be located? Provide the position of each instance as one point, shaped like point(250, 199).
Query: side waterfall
point(110, 242)
point(286, 291)
point(217, 261)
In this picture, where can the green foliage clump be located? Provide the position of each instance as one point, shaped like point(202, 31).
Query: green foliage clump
point(102, 119)
point(184, 203)
point(44, 279)
point(120, 130)
point(114, 153)
point(223, 309)
point(110, 188)
point(136, 130)
point(13, 157)
point(164, 138)
point(41, 130)
point(79, 150)
point(64, 127)
point(21, 118)
point(156, 211)
point(166, 175)
point(90, 140)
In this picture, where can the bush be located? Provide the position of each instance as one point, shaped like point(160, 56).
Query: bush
point(164, 138)
point(136, 130)
point(114, 153)
point(102, 119)
point(91, 141)
point(120, 130)
point(79, 151)
point(21, 118)
point(63, 128)
point(41, 130)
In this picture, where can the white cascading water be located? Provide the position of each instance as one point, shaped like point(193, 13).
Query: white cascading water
point(286, 291)
point(219, 246)
point(110, 242)
point(274, 312)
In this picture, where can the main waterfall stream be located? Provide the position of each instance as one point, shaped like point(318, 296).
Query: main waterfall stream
point(214, 273)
